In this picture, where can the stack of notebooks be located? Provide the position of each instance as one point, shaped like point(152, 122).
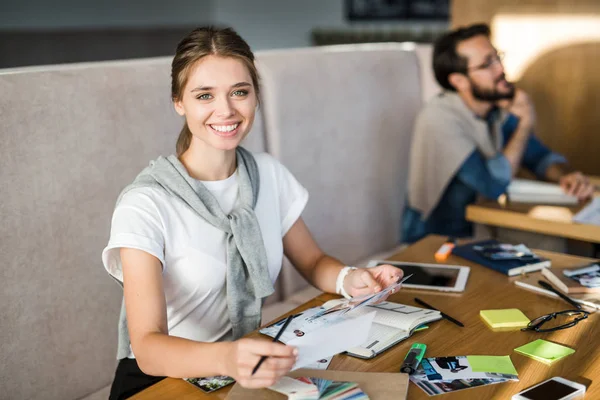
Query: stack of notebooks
point(306, 388)
point(530, 191)
point(569, 282)
point(505, 258)
point(579, 280)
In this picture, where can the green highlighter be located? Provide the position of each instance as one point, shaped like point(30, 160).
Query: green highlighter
point(413, 358)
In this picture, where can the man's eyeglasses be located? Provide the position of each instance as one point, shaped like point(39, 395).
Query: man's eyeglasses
point(496, 58)
point(556, 321)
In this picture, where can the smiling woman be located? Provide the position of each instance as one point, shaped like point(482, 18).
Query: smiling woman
point(218, 103)
point(197, 240)
point(206, 57)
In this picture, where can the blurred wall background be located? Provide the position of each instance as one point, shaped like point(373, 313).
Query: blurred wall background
point(552, 46)
point(37, 32)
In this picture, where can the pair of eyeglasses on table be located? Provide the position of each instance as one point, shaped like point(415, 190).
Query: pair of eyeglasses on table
point(557, 320)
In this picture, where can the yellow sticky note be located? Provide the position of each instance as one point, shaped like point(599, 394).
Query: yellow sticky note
point(509, 319)
point(545, 351)
point(498, 364)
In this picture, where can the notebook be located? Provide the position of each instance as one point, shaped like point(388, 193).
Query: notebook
point(511, 319)
point(568, 284)
point(393, 323)
point(508, 267)
point(530, 282)
point(530, 191)
point(545, 351)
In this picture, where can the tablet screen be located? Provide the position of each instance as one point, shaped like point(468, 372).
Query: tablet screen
point(429, 276)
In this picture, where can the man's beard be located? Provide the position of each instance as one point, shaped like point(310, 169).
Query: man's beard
point(492, 95)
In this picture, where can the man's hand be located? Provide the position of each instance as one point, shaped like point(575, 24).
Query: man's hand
point(576, 184)
point(362, 281)
point(522, 107)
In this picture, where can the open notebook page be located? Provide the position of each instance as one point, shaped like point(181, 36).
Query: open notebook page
point(399, 316)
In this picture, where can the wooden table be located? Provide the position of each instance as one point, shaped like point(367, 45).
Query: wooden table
point(549, 220)
point(486, 289)
point(542, 219)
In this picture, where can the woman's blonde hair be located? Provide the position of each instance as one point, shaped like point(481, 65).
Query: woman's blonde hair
point(199, 43)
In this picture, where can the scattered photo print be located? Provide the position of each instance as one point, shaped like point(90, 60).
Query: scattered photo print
point(211, 383)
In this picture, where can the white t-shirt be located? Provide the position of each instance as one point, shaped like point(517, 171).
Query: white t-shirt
point(193, 253)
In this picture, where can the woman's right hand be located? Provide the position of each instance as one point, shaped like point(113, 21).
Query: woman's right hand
point(243, 355)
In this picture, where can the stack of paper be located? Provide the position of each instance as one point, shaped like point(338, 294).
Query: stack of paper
point(321, 332)
point(306, 388)
point(510, 319)
point(529, 191)
point(544, 351)
point(448, 374)
point(590, 214)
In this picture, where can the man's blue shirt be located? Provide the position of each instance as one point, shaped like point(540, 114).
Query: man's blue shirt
point(476, 176)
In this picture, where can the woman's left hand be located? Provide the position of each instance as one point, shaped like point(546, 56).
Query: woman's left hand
point(362, 281)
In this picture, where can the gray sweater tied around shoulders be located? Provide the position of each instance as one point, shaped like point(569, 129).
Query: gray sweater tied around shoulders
point(247, 277)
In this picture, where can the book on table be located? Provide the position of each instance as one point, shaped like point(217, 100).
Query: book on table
point(530, 191)
point(502, 257)
point(570, 281)
point(393, 323)
point(530, 282)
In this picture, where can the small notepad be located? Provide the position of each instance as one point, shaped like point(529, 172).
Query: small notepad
point(496, 364)
point(545, 351)
point(510, 319)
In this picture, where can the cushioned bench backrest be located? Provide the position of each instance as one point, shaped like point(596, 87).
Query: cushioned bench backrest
point(72, 137)
point(341, 119)
point(429, 86)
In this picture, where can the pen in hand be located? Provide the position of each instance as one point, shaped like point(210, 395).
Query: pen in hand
point(445, 316)
point(569, 300)
point(276, 338)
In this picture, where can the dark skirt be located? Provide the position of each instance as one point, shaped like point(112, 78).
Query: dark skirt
point(129, 380)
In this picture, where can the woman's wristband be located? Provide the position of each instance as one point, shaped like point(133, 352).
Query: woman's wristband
point(339, 283)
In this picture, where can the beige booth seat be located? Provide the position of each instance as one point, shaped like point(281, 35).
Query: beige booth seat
point(72, 137)
point(340, 118)
point(429, 86)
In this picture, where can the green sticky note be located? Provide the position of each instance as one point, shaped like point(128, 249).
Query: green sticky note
point(545, 351)
point(498, 364)
point(507, 319)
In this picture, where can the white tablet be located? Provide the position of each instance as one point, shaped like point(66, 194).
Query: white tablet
point(444, 278)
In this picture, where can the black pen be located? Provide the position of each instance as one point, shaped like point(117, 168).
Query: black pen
point(569, 300)
point(276, 338)
point(446, 316)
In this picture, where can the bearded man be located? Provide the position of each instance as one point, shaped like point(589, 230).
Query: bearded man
point(471, 139)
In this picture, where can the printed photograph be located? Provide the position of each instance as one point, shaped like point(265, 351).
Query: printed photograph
point(454, 368)
point(589, 278)
point(211, 383)
point(441, 387)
